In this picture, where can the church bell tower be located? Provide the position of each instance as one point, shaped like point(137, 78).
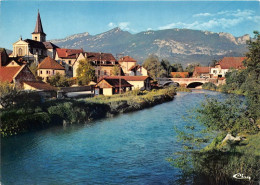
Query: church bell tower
point(38, 33)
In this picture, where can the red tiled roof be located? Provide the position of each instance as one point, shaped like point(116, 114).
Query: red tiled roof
point(8, 73)
point(199, 69)
point(49, 63)
point(93, 56)
point(232, 62)
point(68, 53)
point(181, 74)
point(135, 67)
point(129, 78)
point(116, 82)
point(127, 59)
point(41, 86)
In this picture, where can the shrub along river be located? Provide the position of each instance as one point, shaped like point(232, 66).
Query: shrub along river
point(128, 149)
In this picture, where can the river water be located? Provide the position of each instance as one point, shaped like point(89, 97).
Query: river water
point(128, 149)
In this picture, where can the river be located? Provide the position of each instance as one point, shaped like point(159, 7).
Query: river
point(128, 149)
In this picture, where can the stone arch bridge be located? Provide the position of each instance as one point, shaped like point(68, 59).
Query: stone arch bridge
point(193, 82)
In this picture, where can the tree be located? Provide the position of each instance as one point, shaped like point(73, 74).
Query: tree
point(177, 67)
point(8, 92)
point(33, 68)
point(252, 82)
point(116, 70)
point(59, 80)
point(85, 72)
point(154, 67)
point(213, 63)
point(166, 66)
point(190, 68)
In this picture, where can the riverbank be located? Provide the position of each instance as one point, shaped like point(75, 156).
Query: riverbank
point(21, 119)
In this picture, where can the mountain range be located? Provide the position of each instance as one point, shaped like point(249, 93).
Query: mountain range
point(177, 45)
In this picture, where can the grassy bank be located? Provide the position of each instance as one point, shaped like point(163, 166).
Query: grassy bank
point(19, 118)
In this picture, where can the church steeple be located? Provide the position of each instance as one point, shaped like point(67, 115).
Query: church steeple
point(38, 33)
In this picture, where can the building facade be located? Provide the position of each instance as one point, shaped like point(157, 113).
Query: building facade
point(35, 49)
point(226, 64)
point(49, 67)
point(67, 57)
point(102, 62)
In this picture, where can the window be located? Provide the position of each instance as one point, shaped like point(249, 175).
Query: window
point(20, 52)
point(69, 62)
point(41, 71)
point(105, 72)
point(47, 72)
point(53, 71)
point(215, 71)
point(98, 72)
point(35, 38)
point(12, 63)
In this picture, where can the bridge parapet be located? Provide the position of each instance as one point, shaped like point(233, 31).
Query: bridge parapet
point(188, 81)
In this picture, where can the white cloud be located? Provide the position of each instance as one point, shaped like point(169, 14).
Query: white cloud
point(179, 25)
point(202, 15)
point(111, 25)
point(122, 25)
point(223, 19)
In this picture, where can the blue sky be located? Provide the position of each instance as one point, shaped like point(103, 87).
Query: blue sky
point(64, 18)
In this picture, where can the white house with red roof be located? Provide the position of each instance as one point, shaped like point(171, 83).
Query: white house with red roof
point(225, 65)
point(49, 67)
point(67, 57)
point(138, 82)
point(130, 67)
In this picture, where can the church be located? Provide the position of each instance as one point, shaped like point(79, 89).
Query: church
point(35, 49)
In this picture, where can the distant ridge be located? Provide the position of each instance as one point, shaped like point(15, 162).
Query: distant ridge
point(176, 45)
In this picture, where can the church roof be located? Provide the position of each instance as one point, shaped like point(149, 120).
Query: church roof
point(49, 63)
point(35, 44)
point(49, 45)
point(38, 27)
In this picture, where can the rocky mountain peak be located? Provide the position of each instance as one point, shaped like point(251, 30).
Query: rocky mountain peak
point(178, 45)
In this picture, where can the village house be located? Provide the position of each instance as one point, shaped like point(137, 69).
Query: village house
point(138, 82)
point(67, 57)
point(224, 65)
point(131, 68)
point(49, 67)
point(16, 74)
point(38, 86)
point(201, 72)
point(35, 49)
point(102, 62)
point(180, 74)
point(110, 86)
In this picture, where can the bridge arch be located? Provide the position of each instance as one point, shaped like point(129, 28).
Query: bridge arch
point(194, 84)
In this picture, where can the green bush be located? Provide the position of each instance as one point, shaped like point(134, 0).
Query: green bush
point(209, 86)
